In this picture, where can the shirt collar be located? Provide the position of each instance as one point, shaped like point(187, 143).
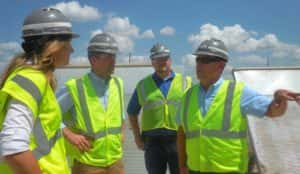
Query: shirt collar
point(169, 77)
point(97, 79)
point(218, 82)
point(216, 85)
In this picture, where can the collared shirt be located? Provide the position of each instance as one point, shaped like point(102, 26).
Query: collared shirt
point(252, 103)
point(100, 85)
point(134, 107)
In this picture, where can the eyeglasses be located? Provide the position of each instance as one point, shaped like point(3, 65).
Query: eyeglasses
point(208, 59)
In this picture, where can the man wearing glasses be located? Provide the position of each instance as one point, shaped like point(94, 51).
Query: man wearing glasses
point(212, 134)
point(159, 96)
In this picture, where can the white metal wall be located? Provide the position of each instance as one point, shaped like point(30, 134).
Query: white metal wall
point(276, 141)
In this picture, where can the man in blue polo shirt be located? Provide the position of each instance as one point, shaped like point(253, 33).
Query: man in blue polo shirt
point(158, 95)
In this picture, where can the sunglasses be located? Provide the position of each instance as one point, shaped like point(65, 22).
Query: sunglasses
point(208, 60)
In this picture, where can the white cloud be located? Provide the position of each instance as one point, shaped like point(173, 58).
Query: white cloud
point(238, 40)
point(233, 36)
point(124, 32)
point(125, 44)
point(93, 33)
point(76, 12)
point(168, 31)
point(121, 26)
point(188, 59)
point(252, 60)
point(8, 49)
point(147, 34)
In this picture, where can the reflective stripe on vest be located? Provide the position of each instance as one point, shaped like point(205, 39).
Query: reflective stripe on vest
point(224, 133)
point(185, 84)
point(86, 115)
point(44, 145)
point(29, 86)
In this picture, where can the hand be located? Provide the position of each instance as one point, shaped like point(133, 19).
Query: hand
point(279, 104)
point(139, 143)
point(183, 170)
point(78, 140)
point(283, 95)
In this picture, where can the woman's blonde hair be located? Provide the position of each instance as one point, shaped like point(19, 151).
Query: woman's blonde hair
point(43, 60)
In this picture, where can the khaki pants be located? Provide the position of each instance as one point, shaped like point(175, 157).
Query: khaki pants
point(115, 168)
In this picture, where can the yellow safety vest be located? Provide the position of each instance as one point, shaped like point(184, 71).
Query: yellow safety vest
point(100, 124)
point(30, 87)
point(218, 141)
point(160, 111)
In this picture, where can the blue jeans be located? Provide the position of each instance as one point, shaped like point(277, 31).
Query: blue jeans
point(160, 152)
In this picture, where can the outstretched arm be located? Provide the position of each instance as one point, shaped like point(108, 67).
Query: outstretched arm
point(279, 104)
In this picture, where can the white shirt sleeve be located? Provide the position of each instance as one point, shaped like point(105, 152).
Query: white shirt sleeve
point(17, 126)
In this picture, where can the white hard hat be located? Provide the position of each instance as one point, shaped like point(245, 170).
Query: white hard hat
point(158, 51)
point(103, 43)
point(212, 47)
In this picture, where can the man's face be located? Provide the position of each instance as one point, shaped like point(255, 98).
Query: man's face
point(209, 67)
point(103, 64)
point(162, 65)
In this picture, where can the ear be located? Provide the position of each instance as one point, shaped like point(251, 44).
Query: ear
point(92, 60)
point(221, 65)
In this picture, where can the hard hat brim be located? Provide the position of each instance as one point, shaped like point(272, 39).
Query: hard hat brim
point(75, 35)
point(161, 55)
point(206, 53)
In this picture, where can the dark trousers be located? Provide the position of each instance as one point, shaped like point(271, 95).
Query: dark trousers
point(161, 152)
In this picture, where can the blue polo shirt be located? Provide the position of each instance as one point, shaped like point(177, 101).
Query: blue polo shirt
point(134, 107)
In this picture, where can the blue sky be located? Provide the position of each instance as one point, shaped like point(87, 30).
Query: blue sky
point(253, 31)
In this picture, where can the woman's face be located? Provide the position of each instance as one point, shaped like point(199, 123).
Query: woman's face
point(62, 55)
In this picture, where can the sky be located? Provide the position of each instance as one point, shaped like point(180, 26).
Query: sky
point(256, 32)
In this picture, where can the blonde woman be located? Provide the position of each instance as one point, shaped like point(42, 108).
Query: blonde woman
point(30, 118)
